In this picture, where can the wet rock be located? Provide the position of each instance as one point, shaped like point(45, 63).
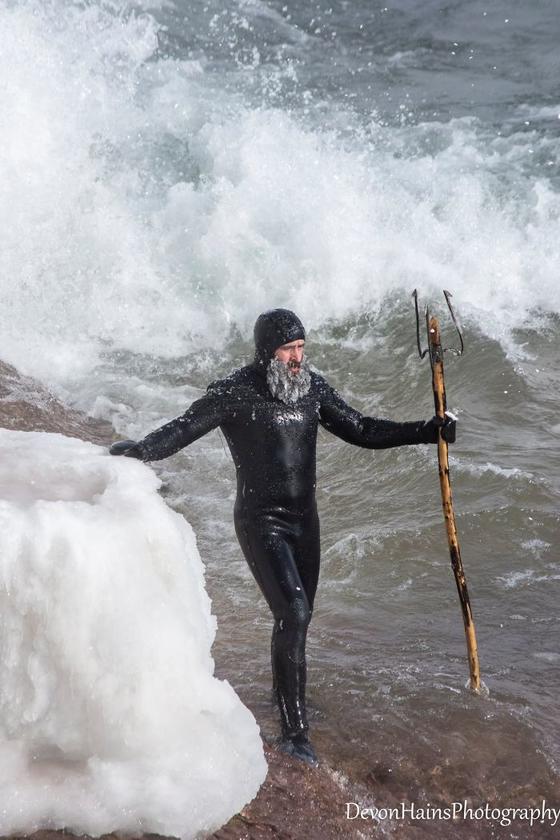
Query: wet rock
point(28, 406)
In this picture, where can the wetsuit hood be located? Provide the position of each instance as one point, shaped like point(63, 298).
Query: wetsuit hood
point(273, 329)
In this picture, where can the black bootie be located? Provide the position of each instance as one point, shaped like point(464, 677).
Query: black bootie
point(299, 746)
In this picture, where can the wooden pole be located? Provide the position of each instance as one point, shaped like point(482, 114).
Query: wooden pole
point(438, 385)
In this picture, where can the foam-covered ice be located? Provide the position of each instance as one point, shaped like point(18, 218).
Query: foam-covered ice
point(110, 716)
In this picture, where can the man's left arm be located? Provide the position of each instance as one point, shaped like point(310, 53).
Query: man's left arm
point(372, 433)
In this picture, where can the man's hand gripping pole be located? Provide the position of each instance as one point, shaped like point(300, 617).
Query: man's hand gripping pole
point(436, 351)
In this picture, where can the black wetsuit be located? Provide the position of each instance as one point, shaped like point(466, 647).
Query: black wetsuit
point(273, 447)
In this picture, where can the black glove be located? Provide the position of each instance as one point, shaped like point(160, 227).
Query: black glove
point(447, 424)
point(129, 448)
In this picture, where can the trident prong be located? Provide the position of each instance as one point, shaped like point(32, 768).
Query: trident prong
point(421, 352)
point(457, 351)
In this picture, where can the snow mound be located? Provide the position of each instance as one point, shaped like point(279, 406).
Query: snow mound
point(110, 716)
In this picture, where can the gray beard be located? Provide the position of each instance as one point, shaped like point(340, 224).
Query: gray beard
point(286, 386)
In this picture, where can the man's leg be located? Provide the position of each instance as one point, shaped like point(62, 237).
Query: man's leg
point(304, 538)
point(267, 543)
point(308, 554)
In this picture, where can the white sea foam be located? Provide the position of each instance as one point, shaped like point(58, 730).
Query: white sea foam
point(489, 467)
point(540, 111)
point(526, 577)
point(548, 656)
point(110, 716)
point(146, 208)
point(537, 546)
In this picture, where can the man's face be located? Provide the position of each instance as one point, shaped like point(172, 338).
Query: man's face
point(291, 354)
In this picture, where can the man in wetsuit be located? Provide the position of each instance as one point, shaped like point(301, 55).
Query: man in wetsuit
point(269, 412)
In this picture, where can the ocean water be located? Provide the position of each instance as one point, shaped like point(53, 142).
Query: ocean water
point(168, 171)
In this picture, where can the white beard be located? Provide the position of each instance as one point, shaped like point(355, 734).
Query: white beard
point(287, 386)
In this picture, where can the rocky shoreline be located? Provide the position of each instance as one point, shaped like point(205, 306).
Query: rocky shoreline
point(27, 406)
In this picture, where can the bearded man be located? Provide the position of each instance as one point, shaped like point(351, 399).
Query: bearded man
point(269, 412)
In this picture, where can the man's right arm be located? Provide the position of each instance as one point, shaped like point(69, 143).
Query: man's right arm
point(201, 417)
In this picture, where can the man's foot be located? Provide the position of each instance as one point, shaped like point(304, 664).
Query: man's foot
point(299, 746)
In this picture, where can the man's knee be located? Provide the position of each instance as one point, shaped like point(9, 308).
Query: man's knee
point(297, 615)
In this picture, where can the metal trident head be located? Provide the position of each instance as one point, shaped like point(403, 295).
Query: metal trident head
point(457, 351)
